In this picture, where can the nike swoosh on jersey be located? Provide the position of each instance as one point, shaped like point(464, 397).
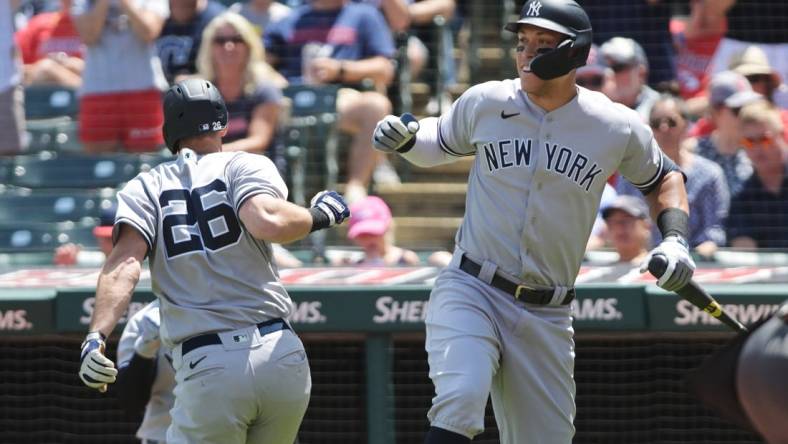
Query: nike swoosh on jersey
point(506, 116)
point(194, 363)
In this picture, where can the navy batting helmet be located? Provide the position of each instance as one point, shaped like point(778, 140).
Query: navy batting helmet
point(566, 17)
point(192, 107)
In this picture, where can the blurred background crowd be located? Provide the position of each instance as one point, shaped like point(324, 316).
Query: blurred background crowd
point(305, 82)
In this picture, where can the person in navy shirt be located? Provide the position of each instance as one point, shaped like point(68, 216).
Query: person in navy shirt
point(759, 212)
point(180, 38)
point(348, 44)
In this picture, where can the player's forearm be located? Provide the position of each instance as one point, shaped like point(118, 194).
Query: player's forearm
point(115, 285)
point(426, 152)
point(670, 193)
point(275, 220)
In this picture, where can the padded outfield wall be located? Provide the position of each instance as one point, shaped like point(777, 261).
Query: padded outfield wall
point(363, 329)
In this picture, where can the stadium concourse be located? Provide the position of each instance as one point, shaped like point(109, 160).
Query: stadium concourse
point(362, 323)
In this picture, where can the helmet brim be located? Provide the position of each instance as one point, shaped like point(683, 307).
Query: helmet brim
point(540, 22)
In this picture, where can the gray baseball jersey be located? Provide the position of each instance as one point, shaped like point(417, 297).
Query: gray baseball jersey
point(157, 412)
point(533, 194)
point(187, 211)
point(535, 186)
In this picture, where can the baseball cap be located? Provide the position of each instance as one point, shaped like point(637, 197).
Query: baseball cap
point(106, 221)
point(634, 206)
point(623, 51)
point(369, 215)
point(731, 89)
point(594, 63)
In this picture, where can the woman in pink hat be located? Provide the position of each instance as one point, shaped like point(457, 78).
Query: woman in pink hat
point(370, 229)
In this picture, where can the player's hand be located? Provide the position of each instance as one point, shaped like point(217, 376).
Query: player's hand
point(148, 342)
point(680, 263)
point(332, 205)
point(96, 370)
point(395, 133)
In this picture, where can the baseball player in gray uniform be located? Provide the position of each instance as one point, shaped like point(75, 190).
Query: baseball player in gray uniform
point(205, 221)
point(499, 319)
point(146, 378)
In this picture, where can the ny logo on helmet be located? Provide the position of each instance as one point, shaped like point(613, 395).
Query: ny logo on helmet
point(533, 9)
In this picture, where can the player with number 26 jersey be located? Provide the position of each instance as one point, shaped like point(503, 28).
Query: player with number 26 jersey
point(187, 211)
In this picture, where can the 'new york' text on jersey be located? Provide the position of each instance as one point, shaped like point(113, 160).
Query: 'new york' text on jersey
point(535, 186)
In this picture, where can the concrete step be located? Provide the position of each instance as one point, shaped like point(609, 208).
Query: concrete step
point(425, 199)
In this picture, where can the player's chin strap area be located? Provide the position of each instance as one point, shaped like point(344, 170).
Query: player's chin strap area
point(486, 272)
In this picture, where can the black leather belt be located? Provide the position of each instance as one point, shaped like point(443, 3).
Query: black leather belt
point(213, 338)
point(520, 292)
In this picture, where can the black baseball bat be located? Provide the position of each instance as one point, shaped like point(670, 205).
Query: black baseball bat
point(695, 294)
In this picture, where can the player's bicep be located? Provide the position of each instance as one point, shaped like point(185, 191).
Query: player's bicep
point(251, 174)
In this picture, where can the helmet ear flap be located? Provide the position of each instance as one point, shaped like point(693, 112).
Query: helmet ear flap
point(568, 55)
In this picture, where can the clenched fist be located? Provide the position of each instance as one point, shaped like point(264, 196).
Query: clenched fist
point(395, 134)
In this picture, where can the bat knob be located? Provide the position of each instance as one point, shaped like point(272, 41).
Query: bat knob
point(657, 265)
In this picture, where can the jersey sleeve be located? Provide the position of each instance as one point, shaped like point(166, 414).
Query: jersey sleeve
point(137, 208)
point(251, 174)
point(456, 126)
point(642, 164)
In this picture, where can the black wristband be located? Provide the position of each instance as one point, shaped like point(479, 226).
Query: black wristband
point(673, 221)
point(319, 219)
point(408, 145)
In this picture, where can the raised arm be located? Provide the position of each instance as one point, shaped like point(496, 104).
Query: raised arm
point(145, 24)
point(90, 23)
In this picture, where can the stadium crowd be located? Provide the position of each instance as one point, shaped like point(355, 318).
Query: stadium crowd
point(706, 75)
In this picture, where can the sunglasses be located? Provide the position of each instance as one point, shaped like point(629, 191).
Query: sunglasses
point(590, 82)
point(764, 141)
point(758, 78)
point(221, 40)
point(619, 67)
point(656, 123)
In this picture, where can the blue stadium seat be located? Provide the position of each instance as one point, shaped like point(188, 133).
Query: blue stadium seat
point(311, 139)
point(18, 238)
point(44, 102)
point(67, 170)
point(54, 134)
point(24, 205)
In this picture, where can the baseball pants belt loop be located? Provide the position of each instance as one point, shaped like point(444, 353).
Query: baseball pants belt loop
point(520, 292)
point(265, 328)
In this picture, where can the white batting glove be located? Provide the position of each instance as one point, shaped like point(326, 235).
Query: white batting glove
point(395, 133)
point(96, 370)
point(332, 205)
point(148, 342)
point(680, 264)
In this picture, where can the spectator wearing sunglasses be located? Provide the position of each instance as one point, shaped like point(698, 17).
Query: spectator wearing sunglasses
point(627, 60)
point(707, 191)
point(232, 57)
point(728, 92)
point(759, 213)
